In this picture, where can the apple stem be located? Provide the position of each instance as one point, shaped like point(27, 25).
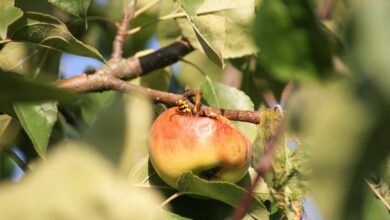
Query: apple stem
point(198, 105)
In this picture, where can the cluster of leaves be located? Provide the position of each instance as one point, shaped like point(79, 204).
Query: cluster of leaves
point(340, 111)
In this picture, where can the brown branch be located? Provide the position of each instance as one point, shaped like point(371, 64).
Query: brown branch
point(269, 98)
point(169, 54)
point(129, 68)
point(325, 9)
point(112, 75)
point(117, 46)
point(286, 93)
point(23, 165)
point(171, 98)
point(262, 167)
point(100, 82)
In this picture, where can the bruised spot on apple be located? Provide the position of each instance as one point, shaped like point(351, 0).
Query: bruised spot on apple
point(212, 149)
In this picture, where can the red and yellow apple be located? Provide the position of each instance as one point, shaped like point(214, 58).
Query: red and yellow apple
point(211, 148)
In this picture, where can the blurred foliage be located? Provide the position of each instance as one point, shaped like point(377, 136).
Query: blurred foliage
point(76, 183)
point(334, 147)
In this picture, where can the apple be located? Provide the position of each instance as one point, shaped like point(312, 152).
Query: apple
point(211, 148)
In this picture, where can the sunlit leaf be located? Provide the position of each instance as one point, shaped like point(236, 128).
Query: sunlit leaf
point(221, 96)
point(50, 32)
point(8, 15)
point(222, 191)
point(211, 44)
point(221, 29)
point(29, 59)
point(74, 7)
point(9, 129)
point(37, 120)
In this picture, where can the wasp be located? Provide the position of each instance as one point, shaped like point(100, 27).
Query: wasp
point(183, 107)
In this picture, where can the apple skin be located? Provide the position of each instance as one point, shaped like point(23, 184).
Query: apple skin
point(210, 148)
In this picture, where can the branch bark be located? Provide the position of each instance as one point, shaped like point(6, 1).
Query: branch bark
point(117, 46)
point(262, 167)
point(112, 75)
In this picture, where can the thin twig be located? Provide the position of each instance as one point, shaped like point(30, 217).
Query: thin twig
point(324, 10)
point(19, 161)
point(377, 194)
point(269, 98)
point(263, 166)
point(287, 91)
point(163, 18)
point(169, 199)
point(145, 8)
point(5, 41)
point(117, 47)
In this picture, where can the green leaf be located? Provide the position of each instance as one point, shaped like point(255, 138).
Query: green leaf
point(291, 41)
point(48, 31)
point(173, 216)
point(221, 96)
point(221, 28)
point(167, 30)
point(142, 173)
point(189, 75)
point(38, 121)
point(14, 88)
point(211, 43)
point(8, 15)
point(29, 59)
point(225, 192)
point(74, 7)
point(9, 129)
point(373, 209)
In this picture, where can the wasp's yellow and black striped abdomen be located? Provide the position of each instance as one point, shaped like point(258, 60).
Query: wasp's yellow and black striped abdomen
point(183, 107)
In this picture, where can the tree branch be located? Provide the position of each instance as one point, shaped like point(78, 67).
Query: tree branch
point(171, 98)
point(117, 46)
point(19, 161)
point(169, 54)
point(112, 75)
point(325, 9)
point(262, 167)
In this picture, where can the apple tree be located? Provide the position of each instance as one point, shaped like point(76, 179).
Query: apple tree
point(204, 109)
